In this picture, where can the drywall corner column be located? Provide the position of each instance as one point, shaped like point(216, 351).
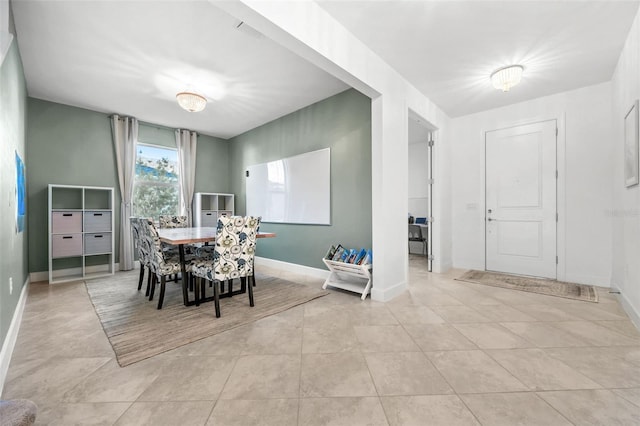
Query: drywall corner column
point(389, 198)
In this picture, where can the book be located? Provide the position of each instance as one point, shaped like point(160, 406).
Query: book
point(358, 260)
point(330, 253)
point(367, 259)
point(338, 254)
point(353, 253)
point(345, 255)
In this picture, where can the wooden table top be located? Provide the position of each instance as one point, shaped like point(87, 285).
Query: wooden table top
point(203, 234)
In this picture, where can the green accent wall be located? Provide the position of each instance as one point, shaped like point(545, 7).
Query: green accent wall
point(13, 245)
point(73, 146)
point(342, 123)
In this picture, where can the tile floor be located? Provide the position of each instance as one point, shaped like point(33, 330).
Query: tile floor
point(444, 353)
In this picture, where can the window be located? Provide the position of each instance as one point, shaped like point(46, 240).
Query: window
point(156, 189)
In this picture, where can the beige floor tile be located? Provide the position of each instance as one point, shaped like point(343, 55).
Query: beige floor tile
point(631, 395)
point(548, 312)
point(593, 407)
point(416, 315)
point(504, 313)
point(367, 315)
point(341, 412)
point(387, 338)
point(328, 340)
point(405, 373)
point(544, 334)
point(439, 337)
point(624, 327)
point(595, 334)
point(257, 412)
point(491, 336)
point(539, 371)
point(263, 376)
point(596, 342)
point(459, 314)
point(335, 375)
point(272, 340)
point(326, 316)
point(48, 381)
point(600, 365)
point(291, 318)
point(229, 343)
point(439, 298)
point(114, 383)
point(190, 377)
point(474, 372)
point(434, 410)
point(186, 413)
point(508, 409)
point(64, 343)
point(105, 413)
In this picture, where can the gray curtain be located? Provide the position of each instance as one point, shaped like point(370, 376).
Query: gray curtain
point(125, 136)
point(186, 142)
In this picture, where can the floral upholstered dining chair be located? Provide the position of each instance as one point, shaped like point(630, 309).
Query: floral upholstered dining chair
point(170, 221)
point(233, 257)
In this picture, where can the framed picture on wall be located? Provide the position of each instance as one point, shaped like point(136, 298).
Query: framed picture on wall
point(21, 194)
point(631, 154)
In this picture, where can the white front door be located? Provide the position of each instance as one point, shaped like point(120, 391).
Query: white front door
point(521, 200)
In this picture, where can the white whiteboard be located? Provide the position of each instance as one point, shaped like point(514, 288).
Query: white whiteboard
point(292, 190)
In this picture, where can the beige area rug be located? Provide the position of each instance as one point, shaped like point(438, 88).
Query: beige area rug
point(137, 330)
point(548, 287)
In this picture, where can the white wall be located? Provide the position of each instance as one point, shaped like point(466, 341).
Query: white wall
point(626, 201)
point(585, 165)
point(309, 31)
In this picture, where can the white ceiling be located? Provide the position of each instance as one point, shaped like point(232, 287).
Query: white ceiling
point(448, 49)
point(133, 57)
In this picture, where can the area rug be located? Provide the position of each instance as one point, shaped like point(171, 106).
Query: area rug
point(137, 330)
point(548, 287)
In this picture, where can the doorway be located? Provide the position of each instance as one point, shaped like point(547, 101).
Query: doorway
point(521, 214)
point(421, 186)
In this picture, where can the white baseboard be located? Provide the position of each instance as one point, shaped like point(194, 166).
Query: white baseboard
point(36, 277)
point(441, 268)
point(291, 267)
point(634, 314)
point(12, 334)
point(384, 295)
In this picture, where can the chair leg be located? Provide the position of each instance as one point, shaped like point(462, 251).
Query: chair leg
point(149, 279)
point(230, 286)
point(216, 299)
point(203, 287)
point(252, 278)
point(196, 292)
point(163, 281)
point(175, 278)
point(250, 288)
point(154, 280)
point(141, 277)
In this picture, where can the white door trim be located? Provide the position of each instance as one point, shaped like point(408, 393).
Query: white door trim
point(560, 184)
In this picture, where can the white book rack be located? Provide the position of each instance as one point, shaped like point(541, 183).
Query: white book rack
point(347, 276)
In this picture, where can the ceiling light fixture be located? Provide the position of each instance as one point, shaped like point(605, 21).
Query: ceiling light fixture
point(190, 101)
point(506, 77)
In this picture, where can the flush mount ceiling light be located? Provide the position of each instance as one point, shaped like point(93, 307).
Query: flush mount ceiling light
point(506, 77)
point(190, 101)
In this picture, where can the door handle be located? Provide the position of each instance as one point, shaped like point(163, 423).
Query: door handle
point(489, 219)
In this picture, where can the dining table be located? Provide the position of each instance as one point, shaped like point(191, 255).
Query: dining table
point(201, 234)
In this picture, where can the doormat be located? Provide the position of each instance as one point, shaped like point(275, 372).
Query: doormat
point(548, 287)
